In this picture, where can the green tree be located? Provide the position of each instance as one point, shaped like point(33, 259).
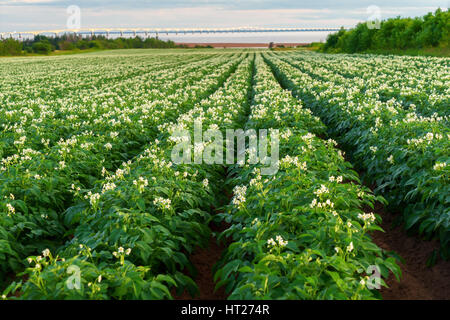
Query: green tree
point(397, 33)
point(42, 47)
point(10, 47)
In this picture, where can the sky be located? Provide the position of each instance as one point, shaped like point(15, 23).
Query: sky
point(30, 15)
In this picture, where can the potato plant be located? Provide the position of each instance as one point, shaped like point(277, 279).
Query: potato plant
point(302, 233)
point(93, 206)
point(402, 152)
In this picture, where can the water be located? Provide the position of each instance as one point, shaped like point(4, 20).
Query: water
point(250, 37)
point(241, 37)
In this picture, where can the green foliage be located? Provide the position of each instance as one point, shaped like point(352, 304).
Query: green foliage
point(432, 30)
point(66, 45)
point(10, 47)
point(88, 185)
point(42, 47)
point(402, 147)
point(289, 240)
point(82, 191)
point(45, 45)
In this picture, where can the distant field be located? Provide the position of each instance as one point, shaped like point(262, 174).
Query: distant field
point(92, 206)
point(240, 45)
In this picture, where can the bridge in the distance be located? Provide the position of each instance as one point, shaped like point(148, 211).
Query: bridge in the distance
point(149, 32)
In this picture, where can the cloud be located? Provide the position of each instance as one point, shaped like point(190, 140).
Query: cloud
point(23, 15)
point(29, 2)
point(231, 4)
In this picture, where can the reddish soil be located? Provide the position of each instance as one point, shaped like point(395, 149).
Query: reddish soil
point(241, 45)
point(418, 282)
point(204, 260)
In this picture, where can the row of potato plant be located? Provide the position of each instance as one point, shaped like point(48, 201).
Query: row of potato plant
point(39, 185)
point(404, 155)
point(134, 230)
point(302, 233)
point(420, 84)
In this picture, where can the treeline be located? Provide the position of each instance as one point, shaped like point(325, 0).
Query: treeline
point(432, 30)
point(45, 45)
point(10, 47)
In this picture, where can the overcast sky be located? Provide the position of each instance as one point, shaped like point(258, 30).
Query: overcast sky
point(27, 15)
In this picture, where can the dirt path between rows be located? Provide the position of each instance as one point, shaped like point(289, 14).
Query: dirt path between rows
point(204, 260)
point(419, 282)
